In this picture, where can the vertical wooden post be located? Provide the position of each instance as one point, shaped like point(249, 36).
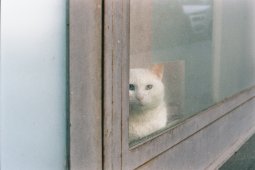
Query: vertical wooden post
point(85, 84)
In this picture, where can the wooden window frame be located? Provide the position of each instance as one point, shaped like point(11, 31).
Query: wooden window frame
point(98, 75)
point(117, 153)
point(85, 84)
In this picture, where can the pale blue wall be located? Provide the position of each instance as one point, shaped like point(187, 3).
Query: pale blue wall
point(33, 84)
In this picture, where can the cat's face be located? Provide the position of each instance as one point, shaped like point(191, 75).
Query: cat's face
point(146, 90)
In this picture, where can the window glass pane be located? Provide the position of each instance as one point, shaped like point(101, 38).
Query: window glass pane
point(33, 84)
point(175, 70)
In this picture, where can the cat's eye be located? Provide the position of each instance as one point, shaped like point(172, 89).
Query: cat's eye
point(131, 87)
point(148, 87)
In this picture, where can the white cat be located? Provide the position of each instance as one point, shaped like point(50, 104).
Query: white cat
point(148, 111)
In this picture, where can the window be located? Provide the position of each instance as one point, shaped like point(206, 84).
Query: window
point(206, 128)
point(174, 41)
point(133, 37)
point(177, 36)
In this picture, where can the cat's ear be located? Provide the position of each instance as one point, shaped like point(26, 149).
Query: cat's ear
point(158, 70)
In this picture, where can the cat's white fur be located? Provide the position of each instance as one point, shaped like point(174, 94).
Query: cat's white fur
point(148, 111)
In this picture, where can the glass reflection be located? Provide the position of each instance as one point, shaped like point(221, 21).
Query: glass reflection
point(176, 36)
point(167, 38)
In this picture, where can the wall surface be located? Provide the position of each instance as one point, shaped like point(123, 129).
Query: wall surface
point(33, 84)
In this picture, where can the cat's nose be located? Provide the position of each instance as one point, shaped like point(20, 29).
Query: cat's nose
point(139, 97)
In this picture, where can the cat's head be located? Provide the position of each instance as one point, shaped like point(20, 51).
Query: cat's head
point(146, 90)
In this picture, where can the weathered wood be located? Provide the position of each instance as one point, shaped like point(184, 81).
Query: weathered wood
point(159, 149)
point(85, 84)
point(201, 149)
point(171, 137)
point(115, 53)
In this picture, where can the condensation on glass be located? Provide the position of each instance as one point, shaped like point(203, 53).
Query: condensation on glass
point(176, 36)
